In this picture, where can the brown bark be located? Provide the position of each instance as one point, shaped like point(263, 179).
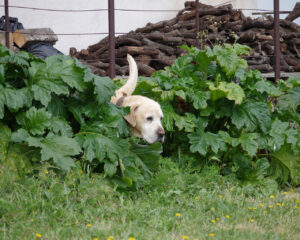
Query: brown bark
point(145, 69)
point(295, 13)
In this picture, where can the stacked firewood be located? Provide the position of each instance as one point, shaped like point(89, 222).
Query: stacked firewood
point(157, 44)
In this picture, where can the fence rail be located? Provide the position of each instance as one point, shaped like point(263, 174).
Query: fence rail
point(111, 25)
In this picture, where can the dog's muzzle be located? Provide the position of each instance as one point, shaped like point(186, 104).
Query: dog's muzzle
point(160, 135)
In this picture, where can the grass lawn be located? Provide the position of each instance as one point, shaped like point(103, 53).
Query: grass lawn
point(177, 204)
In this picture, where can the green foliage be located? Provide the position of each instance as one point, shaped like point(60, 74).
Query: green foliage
point(57, 111)
point(215, 109)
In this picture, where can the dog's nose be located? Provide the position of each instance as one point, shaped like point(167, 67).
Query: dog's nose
point(160, 133)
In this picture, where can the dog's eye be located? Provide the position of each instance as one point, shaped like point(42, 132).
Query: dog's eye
point(149, 118)
point(161, 118)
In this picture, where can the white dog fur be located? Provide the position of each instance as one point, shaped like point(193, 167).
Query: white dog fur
point(145, 114)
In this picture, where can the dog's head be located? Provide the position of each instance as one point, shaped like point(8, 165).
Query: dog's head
point(145, 121)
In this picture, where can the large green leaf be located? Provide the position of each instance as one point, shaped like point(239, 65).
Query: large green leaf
point(14, 99)
point(267, 87)
point(290, 161)
point(252, 115)
point(277, 134)
point(202, 141)
point(58, 148)
point(147, 155)
point(291, 100)
point(199, 99)
point(171, 119)
point(104, 89)
point(100, 147)
point(228, 57)
point(249, 142)
point(230, 91)
point(35, 120)
point(66, 69)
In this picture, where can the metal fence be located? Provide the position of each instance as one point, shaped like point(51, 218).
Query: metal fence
point(111, 26)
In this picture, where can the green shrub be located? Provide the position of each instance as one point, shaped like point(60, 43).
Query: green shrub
point(217, 110)
point(56, 111)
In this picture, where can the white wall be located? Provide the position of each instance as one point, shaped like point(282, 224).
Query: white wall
point(91, 22)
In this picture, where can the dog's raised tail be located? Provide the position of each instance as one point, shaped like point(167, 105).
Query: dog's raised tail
point(130, 85)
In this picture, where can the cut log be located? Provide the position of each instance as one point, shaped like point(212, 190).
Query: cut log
point(128, 41)
point(295, 13)
point(257, 23)
point(165, 60)
point(291, 25)
point(248, 36)
point(165, 48)
point(292, 60)
point(209, 11)
point(192, 4)
point(143, 59)
point(99, 64)
point(145, 69)
point(151, 27)
point(145, 50)
point(72, 52)
point(263, 67)
point(257, 60)
point(230, 25)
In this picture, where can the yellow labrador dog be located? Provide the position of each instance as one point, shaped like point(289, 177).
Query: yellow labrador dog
point(145, 114)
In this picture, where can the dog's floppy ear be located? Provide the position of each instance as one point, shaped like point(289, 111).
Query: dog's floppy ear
point(131, 118)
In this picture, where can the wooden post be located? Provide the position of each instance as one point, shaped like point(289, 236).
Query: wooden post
point(277, 39)
point(6, 24)
point(197, 24)
point(111, 22)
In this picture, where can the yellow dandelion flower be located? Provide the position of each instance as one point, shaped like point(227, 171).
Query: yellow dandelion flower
point(217, 219)
point(38, 235)
point(178, 214)
point(46, 172)
point(296, 207)
point(227, 216)
point(185, 237)
point(220, 196)
point(212, 209)
point(213, 221)
point(196, 239)
point(211, 234)
point(271, 206)
point(298, 201)
point(271, 196)
point(278, 204)
point(283, 205)
point(31, 220)
point(285, 193)
point(229, 189)
point(261, 205)
point(89, 225)
point(131, 238)
point(96, 238)
point(196, 198)
point(254, 208)
point(250, 208)
point(265, 212)
point(251, 220)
